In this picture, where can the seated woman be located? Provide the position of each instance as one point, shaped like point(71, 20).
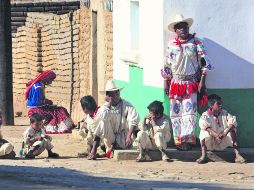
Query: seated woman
point(57, 119)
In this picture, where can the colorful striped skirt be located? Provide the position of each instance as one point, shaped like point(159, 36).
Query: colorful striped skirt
point(57, 119)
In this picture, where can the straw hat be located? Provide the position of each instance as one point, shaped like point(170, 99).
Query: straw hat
point(111, 86)
point(179, 18)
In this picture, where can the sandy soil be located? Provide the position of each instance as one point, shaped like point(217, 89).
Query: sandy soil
point(79, 173)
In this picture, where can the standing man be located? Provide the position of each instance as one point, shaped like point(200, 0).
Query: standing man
point(119, 121)
point(184, 75)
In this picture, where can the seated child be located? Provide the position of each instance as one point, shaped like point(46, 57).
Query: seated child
point(36, 140)
point(91, 121)
point(6, 149)
point(155, 133)
point(218, 130)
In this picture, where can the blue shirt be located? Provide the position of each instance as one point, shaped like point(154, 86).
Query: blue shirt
point(35, 97)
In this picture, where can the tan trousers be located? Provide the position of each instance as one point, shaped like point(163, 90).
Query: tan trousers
point(158, 142)
point(40, 146)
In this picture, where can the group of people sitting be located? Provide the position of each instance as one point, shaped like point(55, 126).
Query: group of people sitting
point(116, 125)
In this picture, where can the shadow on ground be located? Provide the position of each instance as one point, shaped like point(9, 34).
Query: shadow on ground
point(25, 178)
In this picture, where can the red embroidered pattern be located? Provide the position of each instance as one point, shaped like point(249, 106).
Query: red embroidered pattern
point(183, 90)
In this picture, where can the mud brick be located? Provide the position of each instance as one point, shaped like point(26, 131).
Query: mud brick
point(14, 28)
point(17, 23)
point(62, 12)
point(55, 8)
point(18, 9)
point(20, 4)
point(18, 19)
point(73, 3)
point(36, 9)
point(70, 7)
point(40, 4)
point(17, 14)
point(56, 3)
point(54, 12)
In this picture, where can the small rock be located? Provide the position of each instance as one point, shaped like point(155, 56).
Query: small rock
point(240, 177)
point(232, 173)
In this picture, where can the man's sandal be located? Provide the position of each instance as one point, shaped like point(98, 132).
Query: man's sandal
point(144, 158)
point(202, 160)
point(91, 156)
point(240, 160)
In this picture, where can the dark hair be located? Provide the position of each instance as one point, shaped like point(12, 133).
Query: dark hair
point(213, 98)
point(156, 107)
point(111, 93)
point(36, 117)
point(176, 25)
point(88, 102)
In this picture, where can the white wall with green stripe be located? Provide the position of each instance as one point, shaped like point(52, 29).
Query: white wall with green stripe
point(140, 38)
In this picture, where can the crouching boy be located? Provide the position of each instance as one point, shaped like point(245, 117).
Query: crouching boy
point(6, 149)
point(91, 121)
point(155, 133)
point(217, 130)
point(36, 140)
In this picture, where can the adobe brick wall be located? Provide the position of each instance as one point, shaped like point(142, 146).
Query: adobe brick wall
point(62, 43)
point(20, 8)
point(81, 71)
point(108, 39)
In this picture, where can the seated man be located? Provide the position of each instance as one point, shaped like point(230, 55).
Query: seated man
point(6, 149)
point(218, 130)
point(119, 121)
point(36, 140)
point(155, 133)
point(91, 121)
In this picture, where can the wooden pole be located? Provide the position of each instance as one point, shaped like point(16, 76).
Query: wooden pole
point(6, 96)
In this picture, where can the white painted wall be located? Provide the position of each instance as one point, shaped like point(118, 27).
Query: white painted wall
point(121, 38)
point(151, 41)
point(227, 30)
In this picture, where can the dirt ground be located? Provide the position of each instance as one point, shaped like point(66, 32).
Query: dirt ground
point(70, 172)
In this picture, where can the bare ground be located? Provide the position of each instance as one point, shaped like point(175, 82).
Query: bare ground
point(70, 172)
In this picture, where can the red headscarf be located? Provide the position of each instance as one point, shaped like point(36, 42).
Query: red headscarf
point(46, 76)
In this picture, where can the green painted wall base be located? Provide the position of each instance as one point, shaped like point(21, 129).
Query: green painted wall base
point(239, 102)
point(138, 94)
